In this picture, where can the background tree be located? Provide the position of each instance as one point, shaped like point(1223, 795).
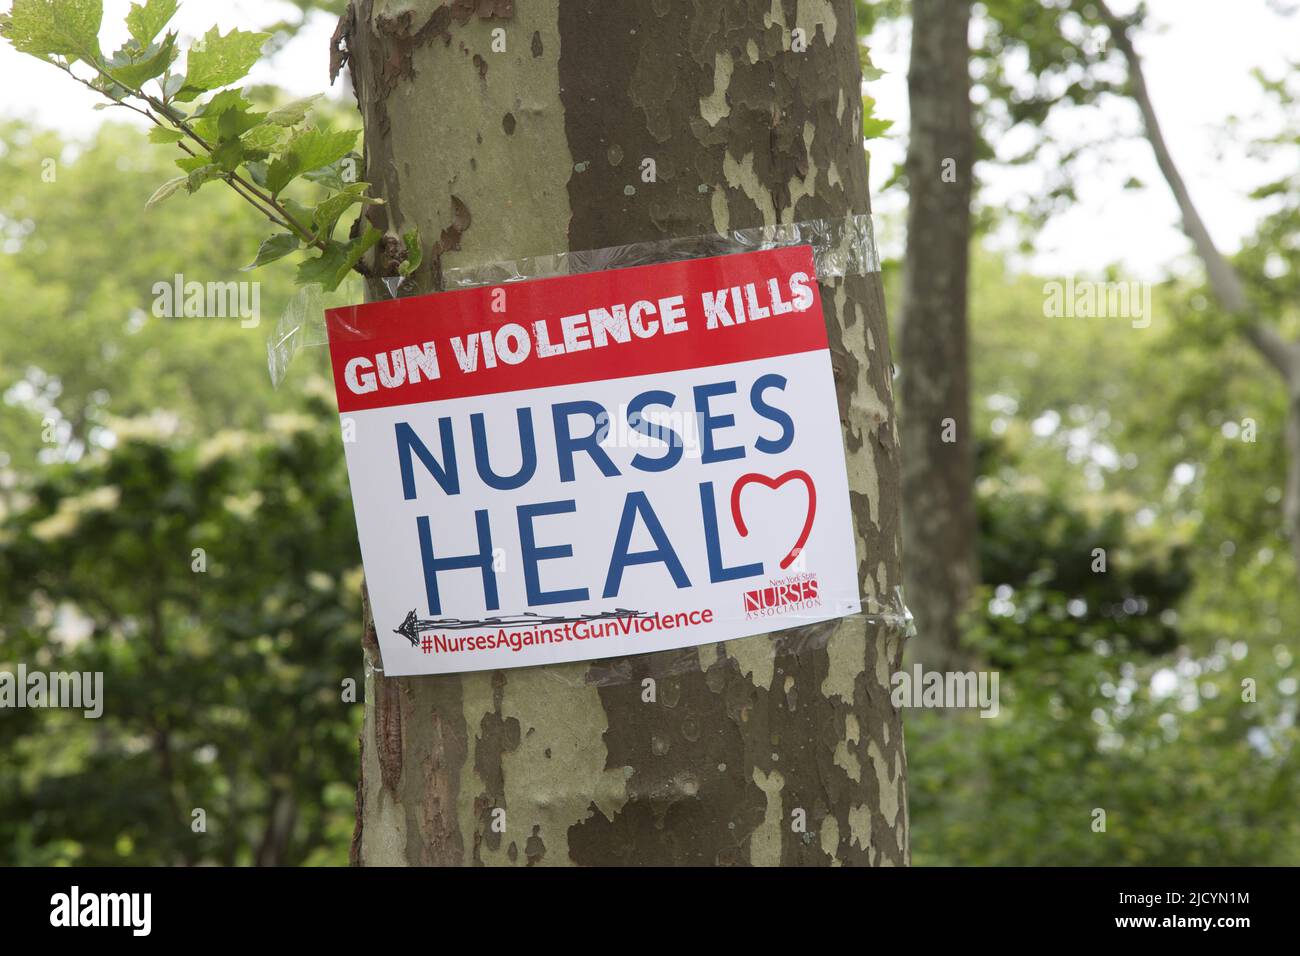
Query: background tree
point(1136, 677)
point(944, 141)
point(1281, 355)
point(938, 434)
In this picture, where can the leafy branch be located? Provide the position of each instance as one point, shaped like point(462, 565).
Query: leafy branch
point(224, 138)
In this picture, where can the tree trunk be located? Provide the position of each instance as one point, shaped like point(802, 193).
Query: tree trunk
point(540, 149)
point(939, 524)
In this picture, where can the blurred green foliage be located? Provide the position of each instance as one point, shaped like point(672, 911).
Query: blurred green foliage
point(127, 441)
point(1164, 690)
point(216, 585)
point(1120, 691)
point(1184, 771)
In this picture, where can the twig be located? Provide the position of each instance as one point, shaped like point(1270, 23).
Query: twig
point(276, 212)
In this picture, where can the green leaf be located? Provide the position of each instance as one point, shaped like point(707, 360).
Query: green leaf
point(263, 139)
point(869, 70)
point(414, 253)
point(873, 128)
point(191, 163)
point(162, 134)
point(226, 117)
point(229, 154)
point(207, 117)
point(257, 171)
point(316, 148)
point(308, 151)
point(233, 123)
point(327, 213)
point(165, 191)
point(145, 66)
point(272, 248)
point(279, 174)
point(872, 125)
point(44, 28)
point(332, 266)
point(337, 175)
point(221, 102)
point(144, 21)
point(110, 88)
point(220, 61)
point(291, 114)
point(301, 214)
point(1269, 190)
point(203, 175)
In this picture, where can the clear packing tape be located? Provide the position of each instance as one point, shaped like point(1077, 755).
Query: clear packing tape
point(797, 640)
point(841, 247)
point(892, 615)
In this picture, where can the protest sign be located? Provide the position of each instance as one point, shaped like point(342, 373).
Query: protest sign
point(596, 465)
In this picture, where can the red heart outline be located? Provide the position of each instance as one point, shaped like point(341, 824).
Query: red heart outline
point(796, 475)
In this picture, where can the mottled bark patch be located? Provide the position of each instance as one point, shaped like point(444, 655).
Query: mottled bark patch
point(387, 710)
point(381, 51)
point(462, 10)
point(497, 736)
point(688, 800)
point(400, 38)
point(449, 238)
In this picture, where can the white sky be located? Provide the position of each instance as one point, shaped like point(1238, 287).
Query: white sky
point(1198, 65)
point(302, 67)
point(1197, 58)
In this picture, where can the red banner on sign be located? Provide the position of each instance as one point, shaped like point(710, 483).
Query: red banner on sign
point(590, 327)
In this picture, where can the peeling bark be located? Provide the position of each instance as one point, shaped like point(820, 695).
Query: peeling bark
point(569, 764)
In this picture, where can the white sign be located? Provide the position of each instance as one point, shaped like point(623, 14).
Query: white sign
point(597, 465)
